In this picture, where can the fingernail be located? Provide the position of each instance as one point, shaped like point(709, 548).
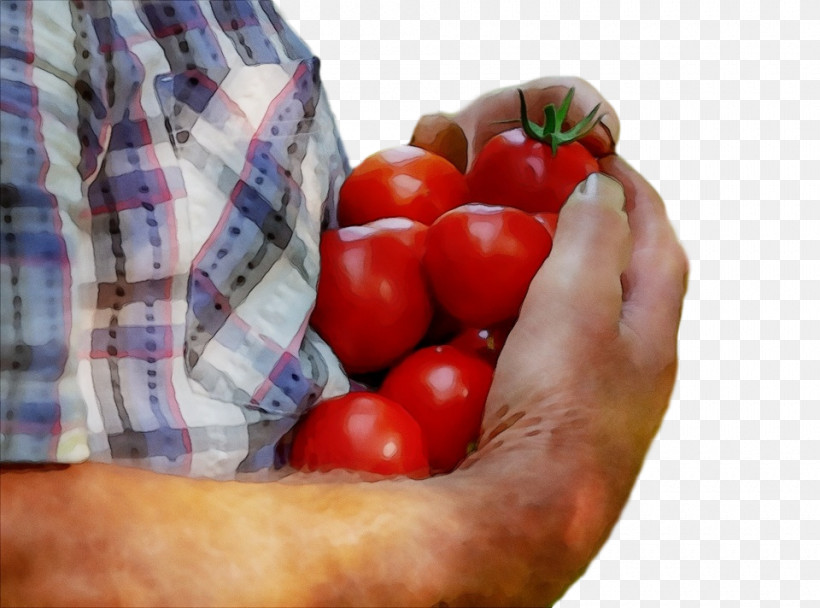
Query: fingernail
point(612, 126)
point(601, 189)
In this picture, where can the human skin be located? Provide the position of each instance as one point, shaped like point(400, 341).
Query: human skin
point(580, 390)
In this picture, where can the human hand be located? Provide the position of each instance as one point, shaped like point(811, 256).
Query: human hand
point(586, 375)
point(608, 265)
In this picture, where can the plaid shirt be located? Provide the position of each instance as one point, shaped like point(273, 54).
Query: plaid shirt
point(166, 170)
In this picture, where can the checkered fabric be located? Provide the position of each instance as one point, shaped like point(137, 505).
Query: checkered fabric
point(719, 103)
point(166, 170)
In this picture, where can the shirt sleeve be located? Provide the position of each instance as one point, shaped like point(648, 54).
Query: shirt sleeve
point(200, 163)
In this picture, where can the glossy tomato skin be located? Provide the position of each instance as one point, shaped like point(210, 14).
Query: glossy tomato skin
point(445, 390)
point(362, 432)
point(372, 301)
point(480, 260)
point(550, 221)
point(410, 232)
point(516, 170)
point(404, 181)
point(483, 343)
point(443, 328)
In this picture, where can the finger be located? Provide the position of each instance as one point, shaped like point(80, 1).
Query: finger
point(579, 283)
point(440, 134)
point(655, 279)
point(500, 110)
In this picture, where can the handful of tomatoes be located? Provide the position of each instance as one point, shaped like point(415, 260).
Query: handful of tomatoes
point(420, 285)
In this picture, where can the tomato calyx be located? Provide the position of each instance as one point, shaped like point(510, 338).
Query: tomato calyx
point(551, 132)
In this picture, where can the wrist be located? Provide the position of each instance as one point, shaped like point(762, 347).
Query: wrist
point(558, 477)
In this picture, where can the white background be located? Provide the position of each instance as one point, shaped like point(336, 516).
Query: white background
point(719, 104)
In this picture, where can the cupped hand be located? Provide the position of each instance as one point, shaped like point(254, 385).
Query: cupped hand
point(587, 372)
point(603, 311)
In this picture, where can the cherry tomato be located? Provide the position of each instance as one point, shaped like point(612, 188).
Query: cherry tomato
point(549, 219)
point(535, 167)
point(483, 343)
point(480, 260)
point(372, 300)
point(514, 170)
point(445, 390)
point(362, 432)
point(404, 181)
point(409, 232)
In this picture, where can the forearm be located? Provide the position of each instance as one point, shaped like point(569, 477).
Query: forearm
point(98, 534)
point(115, 535)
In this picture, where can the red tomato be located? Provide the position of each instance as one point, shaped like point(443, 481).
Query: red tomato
point(372, 301)
point(484, 343)
point(404, 181)
point(514, 170)
point(534, 168)
point(549, 219)
point(445, 390)
point(442, 328)
point(480, 260)
point(409, 232)
point(361, 432)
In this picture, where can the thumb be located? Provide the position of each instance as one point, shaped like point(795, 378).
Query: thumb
point(580, 282)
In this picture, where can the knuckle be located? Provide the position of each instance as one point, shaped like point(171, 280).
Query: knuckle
point(659, 359)
point(678, 261)
point(668, 256)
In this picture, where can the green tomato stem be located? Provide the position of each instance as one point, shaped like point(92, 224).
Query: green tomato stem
point(551, 132)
